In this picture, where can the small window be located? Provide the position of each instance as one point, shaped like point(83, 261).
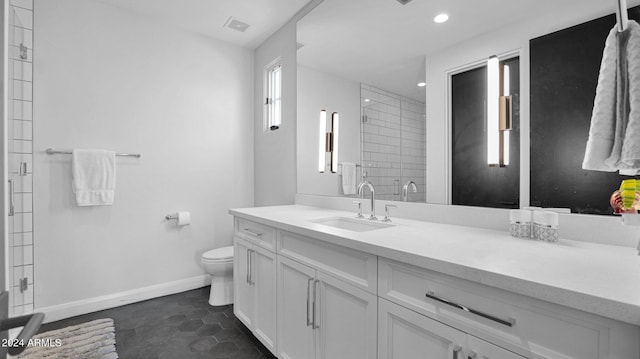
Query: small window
point(273, 95)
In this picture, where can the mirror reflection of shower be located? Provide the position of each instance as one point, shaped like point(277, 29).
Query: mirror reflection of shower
point(393, 143)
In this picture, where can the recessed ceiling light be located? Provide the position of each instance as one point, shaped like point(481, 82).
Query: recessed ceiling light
point(236, 24)
point(422, 84)
point(366, 100)
point(440, 18)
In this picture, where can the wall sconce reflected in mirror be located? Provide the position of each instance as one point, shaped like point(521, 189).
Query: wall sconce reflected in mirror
point(328, 141)
point(499, 110)
point(335, 124)
point(322, 141)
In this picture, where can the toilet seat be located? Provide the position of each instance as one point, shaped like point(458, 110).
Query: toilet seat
point(223, 254)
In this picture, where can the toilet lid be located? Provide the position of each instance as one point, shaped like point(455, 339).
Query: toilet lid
point(219, 253)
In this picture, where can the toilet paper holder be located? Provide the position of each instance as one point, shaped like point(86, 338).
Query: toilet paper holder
point(181, 218)
point(171, 216)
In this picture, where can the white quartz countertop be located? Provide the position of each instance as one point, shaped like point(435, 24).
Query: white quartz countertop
point(595, 278)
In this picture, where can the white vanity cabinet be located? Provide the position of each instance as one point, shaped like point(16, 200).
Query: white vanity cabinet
point(322, 315)
point(499, 324)
point(404, 334)
point(323, 296)
point(254, 269)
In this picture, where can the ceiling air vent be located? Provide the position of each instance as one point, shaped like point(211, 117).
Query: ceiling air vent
point(404, 2)
point(236, 24)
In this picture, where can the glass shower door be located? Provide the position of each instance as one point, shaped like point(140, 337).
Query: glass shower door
point(20, 158)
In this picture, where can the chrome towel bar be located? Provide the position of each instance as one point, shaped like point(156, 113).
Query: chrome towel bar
point(51, 151)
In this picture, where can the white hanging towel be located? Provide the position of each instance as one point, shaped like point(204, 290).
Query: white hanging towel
point(614, 136)
point(94, 176)
point(629, 163)
point(348, 178)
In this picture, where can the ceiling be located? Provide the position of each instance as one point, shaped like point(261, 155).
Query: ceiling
point(384, 43)
point(207, 17)
point(379, 42)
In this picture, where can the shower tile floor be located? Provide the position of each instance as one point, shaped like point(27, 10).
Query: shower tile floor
point(178, 326)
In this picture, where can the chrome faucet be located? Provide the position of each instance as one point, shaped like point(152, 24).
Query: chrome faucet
point(373, 197)
point(405, 190)
point(387, 218)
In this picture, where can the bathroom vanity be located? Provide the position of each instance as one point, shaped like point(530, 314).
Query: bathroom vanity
point(316, 283)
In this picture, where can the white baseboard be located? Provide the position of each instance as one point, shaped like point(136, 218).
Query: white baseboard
point(90, 305)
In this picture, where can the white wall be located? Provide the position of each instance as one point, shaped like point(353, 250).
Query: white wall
point(318, 91)
point(512, 38)
point(105, 78)
point(275, 151)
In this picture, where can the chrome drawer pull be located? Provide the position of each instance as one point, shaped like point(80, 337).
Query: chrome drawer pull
point(250, 231)
point(509, 323)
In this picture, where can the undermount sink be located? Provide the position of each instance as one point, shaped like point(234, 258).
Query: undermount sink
point(352, 224)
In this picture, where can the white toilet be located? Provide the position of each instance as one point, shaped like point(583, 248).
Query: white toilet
point(219, 263)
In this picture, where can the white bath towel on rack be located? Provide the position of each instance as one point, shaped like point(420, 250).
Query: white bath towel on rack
point(603, 118)
point(630, 153)
point(94, 176)
point(614, 136)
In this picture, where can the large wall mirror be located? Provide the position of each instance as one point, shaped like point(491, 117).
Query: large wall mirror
point(365, 58)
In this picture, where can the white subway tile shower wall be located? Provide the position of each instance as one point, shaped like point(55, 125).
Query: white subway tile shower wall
point(20, 145)
point(393, 146)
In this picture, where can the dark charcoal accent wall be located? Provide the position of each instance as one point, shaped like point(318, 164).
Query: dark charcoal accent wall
point(564, 75)
point(474, 183)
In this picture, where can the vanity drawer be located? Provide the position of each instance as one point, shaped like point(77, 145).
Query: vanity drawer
point(352, 266)
point(257, 233)
point(527, 326)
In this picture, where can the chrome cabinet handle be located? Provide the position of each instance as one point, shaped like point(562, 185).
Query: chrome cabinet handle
point(249, 266)
point(509, 323)
point(315, 324)
point(252, 232)
point(12, 207)
point(309, 322)
point(252, 258)
point(456, 350)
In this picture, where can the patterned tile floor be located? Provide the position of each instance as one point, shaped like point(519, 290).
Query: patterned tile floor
point(178, 326)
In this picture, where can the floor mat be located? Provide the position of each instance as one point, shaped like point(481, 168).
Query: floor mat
point(91, 340)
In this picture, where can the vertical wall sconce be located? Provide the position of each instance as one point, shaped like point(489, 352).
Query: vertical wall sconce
point(328, 141)
point(498, 113)
point(322, 141)
point(505, 116)
point(335, 124)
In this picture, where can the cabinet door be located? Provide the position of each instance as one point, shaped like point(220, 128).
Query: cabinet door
point(405, 334)
point(345, 320)
point(486, 350)
point(264, 274)
point(243, 293)
point(295, 333)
